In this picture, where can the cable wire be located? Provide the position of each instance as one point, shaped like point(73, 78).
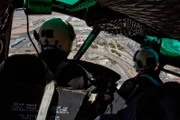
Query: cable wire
point(28, 33)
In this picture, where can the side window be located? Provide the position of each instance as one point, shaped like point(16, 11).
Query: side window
point(166, 77)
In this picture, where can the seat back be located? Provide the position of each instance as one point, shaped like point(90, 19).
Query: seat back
point(27, 69)
point(24, 82)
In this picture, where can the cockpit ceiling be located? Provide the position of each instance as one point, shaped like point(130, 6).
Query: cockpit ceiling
point(162, 15)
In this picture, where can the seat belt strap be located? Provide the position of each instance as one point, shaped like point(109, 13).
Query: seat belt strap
point(151, 79)
point(49, 90)
point(46, 100)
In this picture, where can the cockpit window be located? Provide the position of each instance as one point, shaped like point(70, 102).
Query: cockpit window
point(114, 52)
point(166, 77)
point(169, 47)
point(69, 2)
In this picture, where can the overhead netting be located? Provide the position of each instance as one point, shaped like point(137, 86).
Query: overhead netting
point(162, 15)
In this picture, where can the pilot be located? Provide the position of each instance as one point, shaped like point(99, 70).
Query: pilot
point(55, 39)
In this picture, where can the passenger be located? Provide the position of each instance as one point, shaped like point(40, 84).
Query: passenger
point(146, 64)
point(55, 38)
point(135, 89)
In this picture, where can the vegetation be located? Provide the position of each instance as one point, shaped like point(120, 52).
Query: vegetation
point(94, 58)
point(78, 45)
point(115, 52)
point(112, 45)
point(75, 49)
point(113, 61)
point(101, 43)
point(94, 46)
point(120, 47)
point(27, 50)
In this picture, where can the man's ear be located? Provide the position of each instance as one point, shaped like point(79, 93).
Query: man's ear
point(36, 36)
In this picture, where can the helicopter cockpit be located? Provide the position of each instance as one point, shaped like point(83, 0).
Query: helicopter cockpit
point(114, 35)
